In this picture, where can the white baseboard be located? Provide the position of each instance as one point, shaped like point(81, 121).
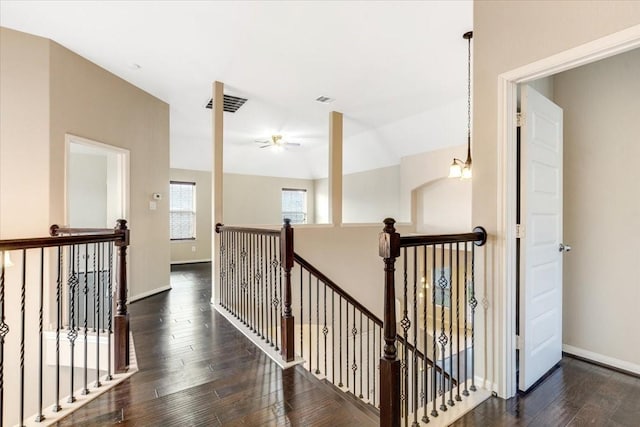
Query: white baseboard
point(190, 261)
point(149, 293)
point(266, 348)
point(601, 358)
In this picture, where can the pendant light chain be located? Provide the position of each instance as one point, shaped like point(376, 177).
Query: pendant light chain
point(469, 91)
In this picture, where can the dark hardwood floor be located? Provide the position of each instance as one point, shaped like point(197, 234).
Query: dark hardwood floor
point(576, 393)
point(196, 369)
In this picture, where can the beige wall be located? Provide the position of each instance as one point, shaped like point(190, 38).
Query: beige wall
point(424, 168)
point(508, 35)
point(443, 206)
point(602, 205)
point(181, 250)
point(253, 199)
point(88, 101)
point(24, 135)
point(371, 196)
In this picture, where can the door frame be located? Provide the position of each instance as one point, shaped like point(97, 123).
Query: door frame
point(123, 170)
point(611, 45)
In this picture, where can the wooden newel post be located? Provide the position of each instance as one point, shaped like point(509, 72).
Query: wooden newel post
point(389, 246)
point(286, 254)
point(121, 317)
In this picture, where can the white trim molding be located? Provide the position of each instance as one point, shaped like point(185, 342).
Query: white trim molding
point(149, 293)
point(505, 344)
point(601, 358)
point(190, 261)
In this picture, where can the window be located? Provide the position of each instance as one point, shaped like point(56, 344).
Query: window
point(182, 210)
point(294, 205)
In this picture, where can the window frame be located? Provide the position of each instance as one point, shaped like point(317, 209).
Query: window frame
point(193, 211)
point(306, 204)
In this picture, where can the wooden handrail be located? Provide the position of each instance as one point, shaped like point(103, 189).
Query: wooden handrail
point(478, 236)
point(56, 230)
point(249, 230)
point(54, 241)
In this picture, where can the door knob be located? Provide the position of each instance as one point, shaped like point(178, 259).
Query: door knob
point(564, 248)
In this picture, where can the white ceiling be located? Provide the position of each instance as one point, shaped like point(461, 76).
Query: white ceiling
point(396, 69)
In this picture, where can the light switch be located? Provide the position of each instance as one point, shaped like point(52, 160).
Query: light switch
point(153, 206)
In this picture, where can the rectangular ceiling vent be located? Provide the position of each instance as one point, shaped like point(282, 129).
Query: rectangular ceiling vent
point(324, 99)
point(230, 104)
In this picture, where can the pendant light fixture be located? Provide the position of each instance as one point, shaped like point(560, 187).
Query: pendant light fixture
point(458, 168)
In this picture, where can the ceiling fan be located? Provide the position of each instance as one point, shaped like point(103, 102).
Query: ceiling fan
point(276, 142)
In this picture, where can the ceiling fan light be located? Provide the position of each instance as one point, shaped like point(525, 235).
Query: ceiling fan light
point(455, 171)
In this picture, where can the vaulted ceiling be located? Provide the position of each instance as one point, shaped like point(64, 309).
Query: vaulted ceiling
point(397, 70)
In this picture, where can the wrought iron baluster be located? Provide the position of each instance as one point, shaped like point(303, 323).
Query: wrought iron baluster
point(56, 406)
point(301, 313)
point(425, 366)
point(4, 330)
point(473, 302)
point(415, 336)
point(458, 352)
point(276, 301)
point(373, 377)
point(325, 331)
point(85, 370)
point(270, 294)
point(361, 352)
point(340, 340)
point(109, 310)
point(406, 324)
point(465, 392)
point(263, 320)
point(22, 331)
point(252, 275)
point(368, 359)
point(346, 304)
point(333, 333)
point(317, 326)
point(310, 330)
point(434, 372)
point(354, 366)
point(97, 290)
point(72, 334)
point(40, 416)
point(442, 339)
point(279, 308)
point(450, 402)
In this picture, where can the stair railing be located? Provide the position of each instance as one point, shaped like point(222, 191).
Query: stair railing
point(70, 275)
point(253, 287)
point(438, 295)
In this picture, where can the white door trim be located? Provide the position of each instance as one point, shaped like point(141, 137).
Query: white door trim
point(595, 50)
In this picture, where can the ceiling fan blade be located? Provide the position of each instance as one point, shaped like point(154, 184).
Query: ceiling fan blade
point(262, 141)
point(266, 145)
point(292, 144)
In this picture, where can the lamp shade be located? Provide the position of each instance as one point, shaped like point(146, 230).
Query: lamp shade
point(466, 172)
point(455, 171)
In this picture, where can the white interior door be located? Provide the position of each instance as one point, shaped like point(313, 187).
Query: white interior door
point(541, 260)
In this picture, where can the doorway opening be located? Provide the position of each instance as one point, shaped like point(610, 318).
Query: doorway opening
point(96, 183)
point(605, 47)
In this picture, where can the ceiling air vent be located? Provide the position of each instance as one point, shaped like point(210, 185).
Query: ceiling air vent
point(324, 99)
point(230, 104)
